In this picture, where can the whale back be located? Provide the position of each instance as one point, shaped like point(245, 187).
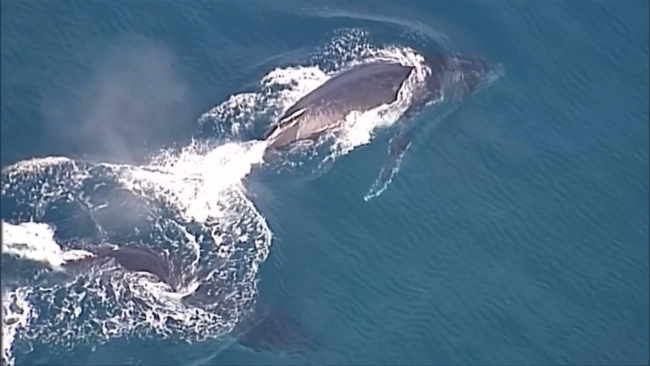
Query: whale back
point(141, 259)
point(360, 88)
point(350, 88)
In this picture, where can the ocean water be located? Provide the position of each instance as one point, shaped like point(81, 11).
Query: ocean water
point(514, 232)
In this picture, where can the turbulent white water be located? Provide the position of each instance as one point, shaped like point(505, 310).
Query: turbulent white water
point(182, 203)
point(190, 203)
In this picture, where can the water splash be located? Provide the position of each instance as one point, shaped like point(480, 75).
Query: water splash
point(196, 187)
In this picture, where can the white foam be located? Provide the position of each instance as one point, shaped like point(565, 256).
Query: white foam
point(16, 315)
point(204, 185)
point(196, 180)
point(33, 241)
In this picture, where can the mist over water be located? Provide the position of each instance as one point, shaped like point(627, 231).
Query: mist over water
point(134, 93)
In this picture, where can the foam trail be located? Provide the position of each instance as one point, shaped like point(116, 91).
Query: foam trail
point(214, 173)
point(35, 241)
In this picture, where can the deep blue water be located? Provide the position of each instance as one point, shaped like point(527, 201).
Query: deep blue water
point(516, 231)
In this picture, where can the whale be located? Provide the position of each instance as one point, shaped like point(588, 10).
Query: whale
point(139, 259)
point(448, 77)
point(360, 88)
point(268, 328)
point(369, 85)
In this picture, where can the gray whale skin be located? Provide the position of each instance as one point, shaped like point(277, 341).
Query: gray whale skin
point(368, 86)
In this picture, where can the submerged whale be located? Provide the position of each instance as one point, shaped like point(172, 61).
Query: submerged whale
point(368, 86)
point(265, 329)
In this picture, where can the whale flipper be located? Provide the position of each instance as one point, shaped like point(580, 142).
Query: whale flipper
point(399, 145)
point(397, 148)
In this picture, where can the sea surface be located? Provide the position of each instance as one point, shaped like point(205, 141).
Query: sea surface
point(515, 231)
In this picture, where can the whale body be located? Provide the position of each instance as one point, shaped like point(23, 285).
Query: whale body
point(360, 88)
point(368, 86)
